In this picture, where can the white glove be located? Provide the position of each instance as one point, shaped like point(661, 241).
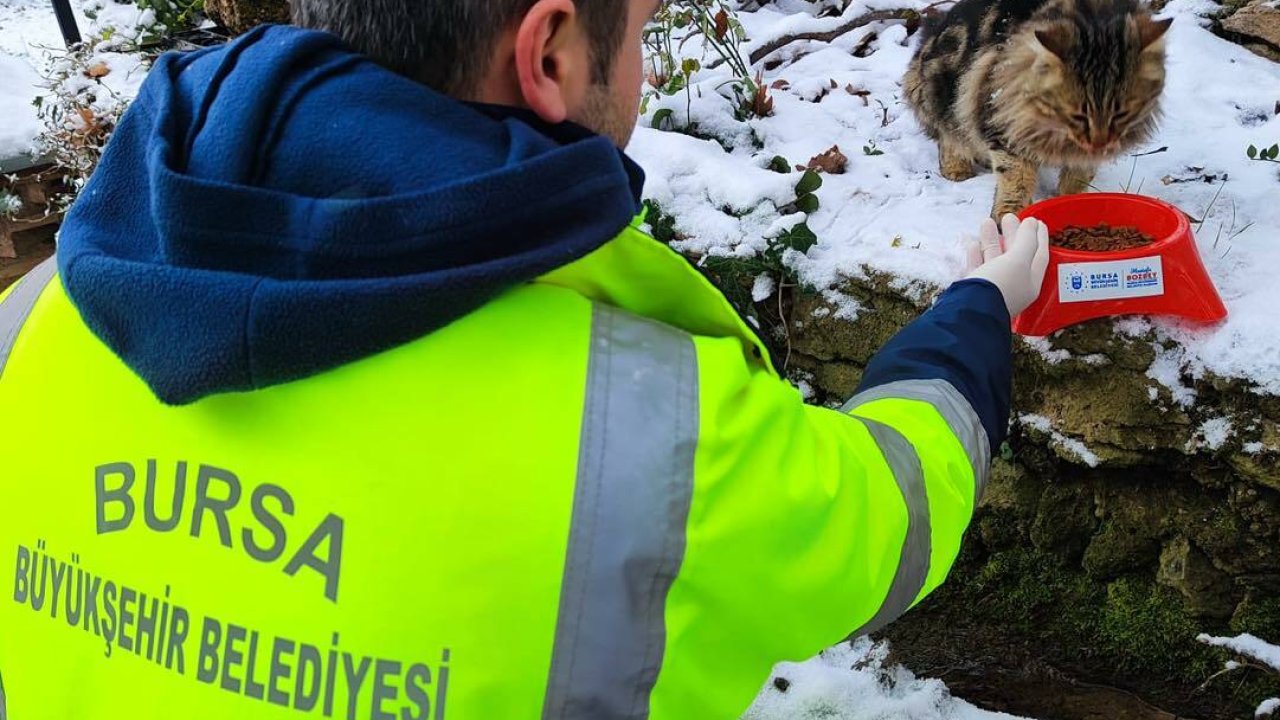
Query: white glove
point(1016, 267)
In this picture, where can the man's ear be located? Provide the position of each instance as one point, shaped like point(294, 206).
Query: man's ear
point(552, 59)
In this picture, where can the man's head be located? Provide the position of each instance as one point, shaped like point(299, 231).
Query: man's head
point(576, 60)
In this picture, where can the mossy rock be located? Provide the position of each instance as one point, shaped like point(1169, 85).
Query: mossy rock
point(1129, 538)
point(1064, 522)
point(1258, 614)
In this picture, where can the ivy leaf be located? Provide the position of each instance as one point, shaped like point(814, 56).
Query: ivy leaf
point(799, 238)
point(780, 165)
point(1253, 152)
point(808, 203)
point(809, 183)
point(1274, 151)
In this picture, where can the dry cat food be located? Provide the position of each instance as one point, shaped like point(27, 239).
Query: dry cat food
point(1100, 238)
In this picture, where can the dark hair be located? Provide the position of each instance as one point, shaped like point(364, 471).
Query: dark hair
point(448, 44)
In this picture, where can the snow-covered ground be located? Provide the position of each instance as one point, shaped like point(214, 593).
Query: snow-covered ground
point(28, 30)
point(30, 41)
point(893, 213)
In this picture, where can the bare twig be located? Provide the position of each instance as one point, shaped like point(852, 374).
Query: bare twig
point(901, 14)
point(1211, 204)
point(786, 327)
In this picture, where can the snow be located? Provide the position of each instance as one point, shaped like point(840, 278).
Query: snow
point(1247, 645)
point(1167, 369)
point(1216, 432)
point(1069, 445)
point(20, 125)
point(892, 214)
point(1254, 448)
point(852, 682)
point(1047, 351)
point(1268, 707)
point(763, 287)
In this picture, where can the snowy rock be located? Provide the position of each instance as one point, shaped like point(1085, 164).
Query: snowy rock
point(1257, 26)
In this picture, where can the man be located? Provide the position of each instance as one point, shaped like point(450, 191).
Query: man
point(358, 393)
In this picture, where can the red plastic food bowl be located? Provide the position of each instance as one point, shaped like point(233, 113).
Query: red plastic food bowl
point(1165, 278)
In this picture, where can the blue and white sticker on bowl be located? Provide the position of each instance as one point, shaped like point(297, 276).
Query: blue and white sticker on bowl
point(1111, 280)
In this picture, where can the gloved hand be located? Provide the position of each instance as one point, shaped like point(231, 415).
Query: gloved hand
point(1015, 267)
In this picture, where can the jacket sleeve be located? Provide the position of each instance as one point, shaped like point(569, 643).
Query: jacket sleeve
point(807, 524)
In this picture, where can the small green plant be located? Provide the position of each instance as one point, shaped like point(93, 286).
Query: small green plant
point(1271, 154)
point(806, 201)
point(677, 22)
point(871, 149)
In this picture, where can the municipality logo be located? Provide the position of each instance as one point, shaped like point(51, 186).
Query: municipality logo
point(1077, 282)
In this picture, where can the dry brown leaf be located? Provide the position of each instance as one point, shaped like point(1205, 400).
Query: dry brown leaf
point(97, 71)
point(832, 161)
point(781, 85)
point(722, 25)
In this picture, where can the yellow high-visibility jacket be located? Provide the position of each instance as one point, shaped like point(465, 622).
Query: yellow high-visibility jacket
point(591, 498)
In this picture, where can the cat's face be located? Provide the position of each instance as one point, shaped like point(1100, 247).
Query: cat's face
point(1097, 86)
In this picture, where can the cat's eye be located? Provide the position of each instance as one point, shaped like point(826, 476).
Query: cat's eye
point(1081, 119)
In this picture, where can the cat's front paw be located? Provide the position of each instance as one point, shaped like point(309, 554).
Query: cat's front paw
point(1007, 208)
point(958, 172)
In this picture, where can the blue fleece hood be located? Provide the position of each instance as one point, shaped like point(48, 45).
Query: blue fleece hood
point(281, 206)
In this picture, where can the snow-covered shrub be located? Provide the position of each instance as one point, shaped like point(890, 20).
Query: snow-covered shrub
point(88, 87)
point(10, 204)
point(671, 70)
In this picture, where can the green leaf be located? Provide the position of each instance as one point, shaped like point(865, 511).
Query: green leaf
point(663, 115)
point(799, 238)
point(808, 202)
point(809, 183)
point(644, 103)
point(1253, 152)
point(1274, 152)
point(690, 66)
point(780, 165)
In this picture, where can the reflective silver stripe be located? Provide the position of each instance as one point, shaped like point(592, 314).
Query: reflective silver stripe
point(954, 408)
point(917, 548)
point(631, 505)
point(4, 714)
point(16, 308)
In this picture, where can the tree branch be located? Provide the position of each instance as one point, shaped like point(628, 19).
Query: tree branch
point(903, 14)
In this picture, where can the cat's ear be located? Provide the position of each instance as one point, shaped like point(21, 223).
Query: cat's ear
point(1151, 31)
point(1056, 39)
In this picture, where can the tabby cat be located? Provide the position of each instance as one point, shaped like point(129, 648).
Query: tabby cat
point(1025, 83)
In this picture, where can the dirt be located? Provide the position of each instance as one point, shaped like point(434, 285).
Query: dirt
point(1100, 238)
point(33, 247)
point(1004, 674)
